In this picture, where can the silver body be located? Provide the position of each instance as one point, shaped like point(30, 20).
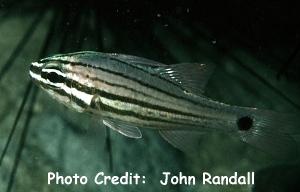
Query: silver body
point(136, 94)
point(128, 93)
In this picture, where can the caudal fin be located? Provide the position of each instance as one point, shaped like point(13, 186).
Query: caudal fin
point(269, 131)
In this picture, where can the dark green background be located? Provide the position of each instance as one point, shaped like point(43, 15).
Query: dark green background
point(255, 46)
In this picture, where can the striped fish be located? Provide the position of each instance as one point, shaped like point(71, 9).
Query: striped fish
point(128, 93)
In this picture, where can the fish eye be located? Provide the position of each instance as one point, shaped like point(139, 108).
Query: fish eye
point(244, 123)
point(53, 75)
point(55, 78)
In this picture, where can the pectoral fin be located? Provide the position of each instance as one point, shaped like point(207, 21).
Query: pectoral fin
point(123, 128)
point(117, 125)
point(186, 141)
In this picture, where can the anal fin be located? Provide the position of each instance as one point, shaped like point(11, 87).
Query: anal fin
point(186, 141)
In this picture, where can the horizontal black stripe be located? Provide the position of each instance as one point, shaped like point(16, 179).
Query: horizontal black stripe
point(130, 78)
point(80, 87)
point(148, 72)
point(62, 92)
point(110, 96)
point(101, 56)
point(119, 85)
point(139, 116)
point(111, 57)
point(35, 69)
point(59, 91)
point(79, 102)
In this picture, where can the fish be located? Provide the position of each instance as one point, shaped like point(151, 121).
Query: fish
point(128, 93)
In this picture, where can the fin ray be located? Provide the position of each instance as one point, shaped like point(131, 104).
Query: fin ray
point(186, 141)
point(123, 128)
point(135, 59)
point(191, 76)
point(271, 132)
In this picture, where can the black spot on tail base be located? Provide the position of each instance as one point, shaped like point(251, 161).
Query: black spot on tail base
point(245, 123)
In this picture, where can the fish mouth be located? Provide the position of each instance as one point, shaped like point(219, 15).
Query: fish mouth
point(35, 71)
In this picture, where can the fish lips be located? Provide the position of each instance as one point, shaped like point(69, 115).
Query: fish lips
point(35, 71)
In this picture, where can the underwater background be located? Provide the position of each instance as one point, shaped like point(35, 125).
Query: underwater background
point(254, 45)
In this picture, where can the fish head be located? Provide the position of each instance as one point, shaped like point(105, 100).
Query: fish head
point(65, 82)
point(50, 75)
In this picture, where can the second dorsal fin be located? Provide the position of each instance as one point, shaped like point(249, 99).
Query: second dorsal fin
point(192, 77)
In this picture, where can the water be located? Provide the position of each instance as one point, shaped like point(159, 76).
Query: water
point(255, 67)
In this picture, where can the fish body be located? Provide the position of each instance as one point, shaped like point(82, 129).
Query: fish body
point(128, 93)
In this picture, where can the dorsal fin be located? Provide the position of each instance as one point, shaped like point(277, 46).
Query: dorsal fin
point(192, 77)
point(135, 60)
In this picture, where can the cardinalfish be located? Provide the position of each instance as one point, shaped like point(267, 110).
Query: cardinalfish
point(128, 93)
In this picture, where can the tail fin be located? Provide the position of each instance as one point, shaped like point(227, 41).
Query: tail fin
point(269, 131)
